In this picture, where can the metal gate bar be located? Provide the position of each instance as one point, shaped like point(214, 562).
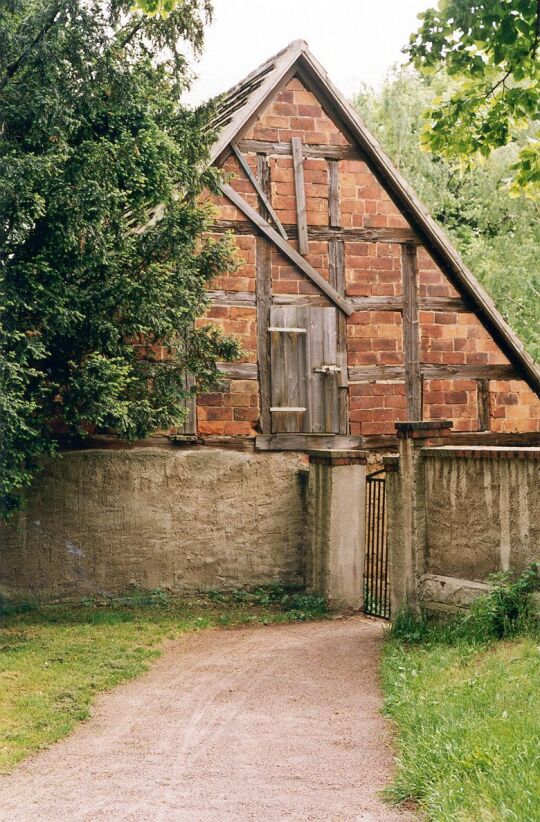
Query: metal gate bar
point(376, 588)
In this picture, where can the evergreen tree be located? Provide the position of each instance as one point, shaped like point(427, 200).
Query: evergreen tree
point(94, 144)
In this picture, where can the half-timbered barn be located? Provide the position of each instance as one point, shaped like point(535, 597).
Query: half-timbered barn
point(353, 308)
point(354, 313)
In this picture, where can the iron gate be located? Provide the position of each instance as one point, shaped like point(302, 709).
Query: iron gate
point(376, 588)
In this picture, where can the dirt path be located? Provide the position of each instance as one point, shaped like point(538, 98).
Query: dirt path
point(277, 723)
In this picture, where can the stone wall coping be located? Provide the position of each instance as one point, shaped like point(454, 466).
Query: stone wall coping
point(337, 456)
point(483, 452)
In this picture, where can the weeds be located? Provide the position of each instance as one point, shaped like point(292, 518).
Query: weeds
point(507, 611)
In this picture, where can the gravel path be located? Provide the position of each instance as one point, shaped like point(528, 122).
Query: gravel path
point(265, 724)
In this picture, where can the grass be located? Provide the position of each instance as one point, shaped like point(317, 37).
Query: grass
point(465, 697)
point(55, 659)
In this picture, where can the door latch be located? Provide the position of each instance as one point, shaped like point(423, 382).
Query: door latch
point(327, 369)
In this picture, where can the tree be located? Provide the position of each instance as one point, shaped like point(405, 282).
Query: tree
point(98, 319)
point(489, 52)
point(498, 236)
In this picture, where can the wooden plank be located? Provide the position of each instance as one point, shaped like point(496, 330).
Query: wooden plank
point(376, 373)
point(301, 212)
point(288, 330)
point(302, 314)
point(235, 298)
point(259, 189)
point(263, 287)
point(411, 336)
point(334, 209)
point(377, 303)
point(442, 304)
point(469, 372)
point(300, 299)
point(285, 248)
point(238, 371)
point(331, 381)
point(305, 442)
point(324, 233)
point(483, 402)
point(190, 403)
point(336, 271)
point(289, 401)
point(311, 150)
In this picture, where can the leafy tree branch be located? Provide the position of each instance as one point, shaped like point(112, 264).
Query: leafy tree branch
point(488, 51)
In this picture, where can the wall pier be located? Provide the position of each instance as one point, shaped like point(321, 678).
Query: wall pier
point(336, 527)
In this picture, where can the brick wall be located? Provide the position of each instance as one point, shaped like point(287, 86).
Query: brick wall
point(372, 270)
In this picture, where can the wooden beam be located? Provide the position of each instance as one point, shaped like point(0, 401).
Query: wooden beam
point(323, 233)
point(263, 283)
point(305, 442)
point(286, 249)
point(334, 209)
point(469, 372)
point(265, 199)
point(310, 150)
point(235, 298)
point(238, 371)
point(301, 212)
point(482, 394)
point(376, 373)
point(300, 299)
point(443, 304)
point(377, 303)
point(411, 335)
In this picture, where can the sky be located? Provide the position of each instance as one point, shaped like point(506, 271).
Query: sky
point(355, 40)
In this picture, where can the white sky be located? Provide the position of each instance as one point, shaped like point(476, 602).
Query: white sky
point(355, 40)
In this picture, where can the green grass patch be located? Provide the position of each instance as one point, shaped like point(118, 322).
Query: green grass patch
point(55, 659)
point(465, 700)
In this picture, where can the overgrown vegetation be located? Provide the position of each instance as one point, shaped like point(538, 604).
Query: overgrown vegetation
point(98, 320)
point(55, 659)
point(497, 235)
point(464, 696)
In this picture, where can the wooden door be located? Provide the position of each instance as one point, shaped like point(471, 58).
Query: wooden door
point(304, 369)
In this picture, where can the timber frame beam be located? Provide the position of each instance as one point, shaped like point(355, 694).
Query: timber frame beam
point(266, 229)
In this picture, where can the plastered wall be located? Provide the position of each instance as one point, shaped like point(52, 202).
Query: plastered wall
point(482, 513)
point(185, 520)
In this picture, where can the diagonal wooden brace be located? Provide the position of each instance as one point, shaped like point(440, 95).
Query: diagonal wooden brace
point(287, 249)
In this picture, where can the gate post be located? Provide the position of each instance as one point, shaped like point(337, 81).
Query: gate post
point(406, 509)
point(336, 527)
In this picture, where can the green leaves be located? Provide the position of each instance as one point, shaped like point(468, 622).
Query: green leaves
point(97, 320)
point(490, 50)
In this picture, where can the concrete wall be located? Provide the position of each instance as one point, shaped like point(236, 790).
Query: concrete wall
point(482, 512)
point(186, 520)
point(457, 515)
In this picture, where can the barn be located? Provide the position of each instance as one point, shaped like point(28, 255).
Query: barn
point(351, 304)
point(354, 312)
